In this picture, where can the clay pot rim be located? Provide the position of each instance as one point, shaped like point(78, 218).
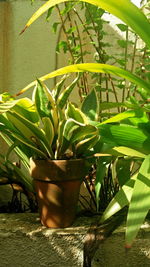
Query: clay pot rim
point(58, 170)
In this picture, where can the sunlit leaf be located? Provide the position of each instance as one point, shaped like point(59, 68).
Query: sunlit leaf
point(121, 199)
point(92, 67)
point(75, 113)
point(123, 9)
point(140, 202)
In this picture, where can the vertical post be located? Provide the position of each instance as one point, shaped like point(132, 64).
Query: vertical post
point(5, 51)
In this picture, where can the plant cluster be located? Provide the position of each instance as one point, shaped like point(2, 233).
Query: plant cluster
point(41, 128)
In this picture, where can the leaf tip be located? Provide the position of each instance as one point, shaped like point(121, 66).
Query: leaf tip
point(23, 30)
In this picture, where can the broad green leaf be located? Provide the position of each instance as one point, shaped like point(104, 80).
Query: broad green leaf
point(90, 106)
point(31, 132)
point(82, 131)
point(26, 108)
point(140, 202)
point(75, 113)
point(92, 67)
point(23, 129)
point(48, 129)
point(49, 96)
point(68, 128)
point(22, 106)
point(41, 101)
point(83, 146)
point(125, 135)
point(123, 9)
point(22, 140)
point(121, 199)
point(53, 114)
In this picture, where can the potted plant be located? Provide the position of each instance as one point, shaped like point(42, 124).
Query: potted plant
point(59, 139)
point(134, 18)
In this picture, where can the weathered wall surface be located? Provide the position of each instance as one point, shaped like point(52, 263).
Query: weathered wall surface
point(27, 56)
point(25, 243)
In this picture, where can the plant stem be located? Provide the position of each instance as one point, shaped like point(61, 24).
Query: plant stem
point(65, 32)
point(82, 60)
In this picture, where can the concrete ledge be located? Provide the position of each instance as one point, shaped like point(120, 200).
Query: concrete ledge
point(25, 243)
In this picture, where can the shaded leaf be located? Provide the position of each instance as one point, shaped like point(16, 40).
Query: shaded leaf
point(90, 106)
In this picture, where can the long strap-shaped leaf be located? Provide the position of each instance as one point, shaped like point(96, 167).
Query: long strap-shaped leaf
point(92, 67)
point(31, 132)
point(140, 202)
point(121, 199)
point(123, 9)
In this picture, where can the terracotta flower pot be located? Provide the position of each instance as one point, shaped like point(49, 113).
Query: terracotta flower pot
point(57, 184)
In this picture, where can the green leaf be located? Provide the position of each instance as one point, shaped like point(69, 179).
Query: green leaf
point(22, 140)
point(48, 129)
point(122, 27)
point(110, 105)
point(4, 107)
point(55, 26)
point(60, 139)
point(90, 106)
point(58, 87)
point(121, 116)
point(25, 179)
point(93, 67)
point(121, 199)
point(75, 113)
point(101, 167)
point(6, 123)
point(83, 146)
point(31, 132)
point(26, 108)
point(125, 135)
point(68, 127)
point(82, 131)
point(140, 202)
point(122, 43)
point(41, 101)
point(129, 152)
point(63, 98)
point(123, 9)
point(123, 170)
point(18, 150)
point(63, 45)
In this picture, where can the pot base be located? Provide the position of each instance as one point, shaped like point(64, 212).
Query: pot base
point(57, 202)
point(57, 184)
